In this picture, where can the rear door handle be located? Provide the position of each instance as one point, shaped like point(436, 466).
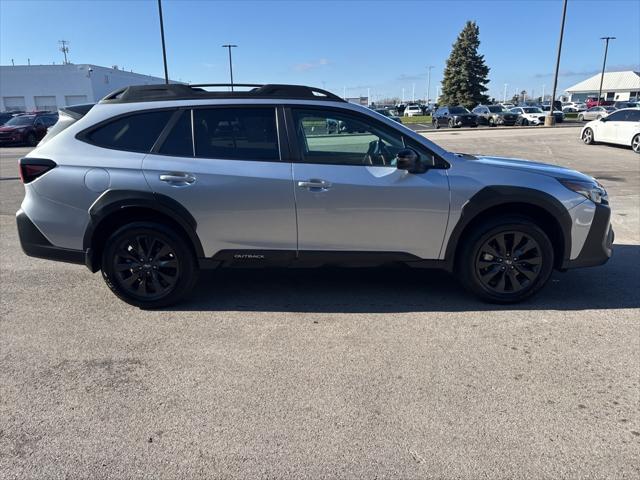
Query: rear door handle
point(178, 178)
point(314, 184)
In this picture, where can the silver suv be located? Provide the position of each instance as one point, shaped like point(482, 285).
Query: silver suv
point(156, 182)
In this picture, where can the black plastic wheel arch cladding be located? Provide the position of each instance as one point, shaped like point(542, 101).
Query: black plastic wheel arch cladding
point(494, 196)
point(119, 200)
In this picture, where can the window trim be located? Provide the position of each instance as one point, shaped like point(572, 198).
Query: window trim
point(295, 146)
point(83, 135)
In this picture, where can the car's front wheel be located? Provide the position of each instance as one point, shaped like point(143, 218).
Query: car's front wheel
point(587, 136)
point(506, 259)
point(148, 265)
point(451, 123)
point(525, 122)
point(635, 143)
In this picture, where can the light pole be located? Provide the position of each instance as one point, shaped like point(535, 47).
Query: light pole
point(550, 120)
point(543, 85)
point(604, 63)
point(429, 84)
point(504, 96)
point(229, 47)
point(413, 93)
point(164, 50)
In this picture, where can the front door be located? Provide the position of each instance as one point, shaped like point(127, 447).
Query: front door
point(228, 174)
point(351, 197)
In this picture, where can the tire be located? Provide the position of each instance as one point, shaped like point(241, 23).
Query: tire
point(133, 274)
point(31, 140)
point(436, 124)
point(588, 137)
point(498, 278)
point(525, 122)
point(635, 143)
point(492, 122)
point(581, 118)
point(598, 117)
point(451, 124)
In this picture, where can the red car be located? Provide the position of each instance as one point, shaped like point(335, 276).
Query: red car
point(593, 102)
point(27, 129)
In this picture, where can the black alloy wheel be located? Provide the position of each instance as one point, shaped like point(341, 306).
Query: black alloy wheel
point(148, 265)
point(508, 262)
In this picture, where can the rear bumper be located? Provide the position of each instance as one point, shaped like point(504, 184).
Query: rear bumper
point(35, 244)
point(598, 247)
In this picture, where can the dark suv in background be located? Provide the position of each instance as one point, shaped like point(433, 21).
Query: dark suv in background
point(454, 117)
point(494, 115)
point(27, 129)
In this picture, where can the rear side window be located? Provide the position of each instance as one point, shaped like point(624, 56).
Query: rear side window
point(135, 133)
point(179, 142)
point(236, 133)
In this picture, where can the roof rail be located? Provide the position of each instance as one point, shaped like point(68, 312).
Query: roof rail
point(179, 91)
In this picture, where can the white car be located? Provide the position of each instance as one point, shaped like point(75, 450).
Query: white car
point(574, 107)
point(529, 115)
point(412, 111)
point(595, 113)
point(621, 127)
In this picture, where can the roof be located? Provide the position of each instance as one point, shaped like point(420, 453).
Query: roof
point(150, 93)
point(613, 81)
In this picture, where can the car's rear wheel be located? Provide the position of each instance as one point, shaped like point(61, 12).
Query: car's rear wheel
point(148, 265)
point(31, 139)
point(435, 123)
point(506, 260)
point(587, 136)
point(635, 143)
point(525, 122)
point(581, 118)
point(492, 122)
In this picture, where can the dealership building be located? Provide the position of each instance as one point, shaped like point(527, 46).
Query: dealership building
point(615, 86)
point(48, 87)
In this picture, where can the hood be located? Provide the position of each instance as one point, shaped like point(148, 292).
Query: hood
point(11, 128)
point(533, 167)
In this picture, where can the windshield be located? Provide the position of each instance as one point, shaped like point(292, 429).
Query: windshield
point(21, 121)
point(496, 109)
point(532, 110)
point(458, 110)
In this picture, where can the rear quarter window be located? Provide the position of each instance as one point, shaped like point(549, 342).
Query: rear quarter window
point(136, 132)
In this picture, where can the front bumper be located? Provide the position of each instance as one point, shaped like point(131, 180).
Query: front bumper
point(35, 244)
point(598, 247)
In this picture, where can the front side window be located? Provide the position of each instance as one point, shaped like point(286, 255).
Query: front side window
point(335, 138)
point(236, 133)
point(135, 133)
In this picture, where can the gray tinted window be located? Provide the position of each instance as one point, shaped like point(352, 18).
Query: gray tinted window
point(179, 142)
point(236, 133)
point(136, 133)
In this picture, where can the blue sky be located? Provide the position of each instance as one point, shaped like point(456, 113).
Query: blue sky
point(383, 46)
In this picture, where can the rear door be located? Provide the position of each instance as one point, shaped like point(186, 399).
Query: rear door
point(626, 124)
point(226, 166)
point(350, 197)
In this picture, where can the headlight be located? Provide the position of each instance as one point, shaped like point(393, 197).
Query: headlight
point(592, 190)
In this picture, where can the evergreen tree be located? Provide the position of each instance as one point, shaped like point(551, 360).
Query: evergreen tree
point(465, 75)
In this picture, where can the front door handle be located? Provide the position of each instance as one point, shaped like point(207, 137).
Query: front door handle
point(315, 184)
point(177, 178)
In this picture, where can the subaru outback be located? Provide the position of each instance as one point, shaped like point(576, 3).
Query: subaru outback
point(156, 182)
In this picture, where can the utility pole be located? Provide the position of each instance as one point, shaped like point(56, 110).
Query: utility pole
point(429, 84)
point(229, 47)
point(164, 49)
point(550, 119)
point(64, 48)
point(344, 92)
point(504, 99)
point(413, 93)
point(543, 85)
point(402, 94)
point(604, 63)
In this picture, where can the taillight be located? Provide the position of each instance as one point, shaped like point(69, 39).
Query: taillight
point(32, 168)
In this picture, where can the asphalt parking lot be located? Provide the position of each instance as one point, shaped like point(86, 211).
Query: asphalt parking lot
point(384, 373)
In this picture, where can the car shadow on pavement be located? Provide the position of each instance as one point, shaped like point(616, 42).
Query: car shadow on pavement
point(401, 289)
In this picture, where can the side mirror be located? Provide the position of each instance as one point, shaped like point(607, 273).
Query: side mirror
point(603, 119)
point(409, 160)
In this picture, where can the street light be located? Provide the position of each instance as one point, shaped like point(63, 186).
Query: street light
point(230, 63)
point(164, 50)
point(606, 48)
point(549, 120)
point(504, 99)
point(429, 84)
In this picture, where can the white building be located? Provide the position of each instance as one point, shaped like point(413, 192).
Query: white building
point(47, 87)
point(615, 86)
